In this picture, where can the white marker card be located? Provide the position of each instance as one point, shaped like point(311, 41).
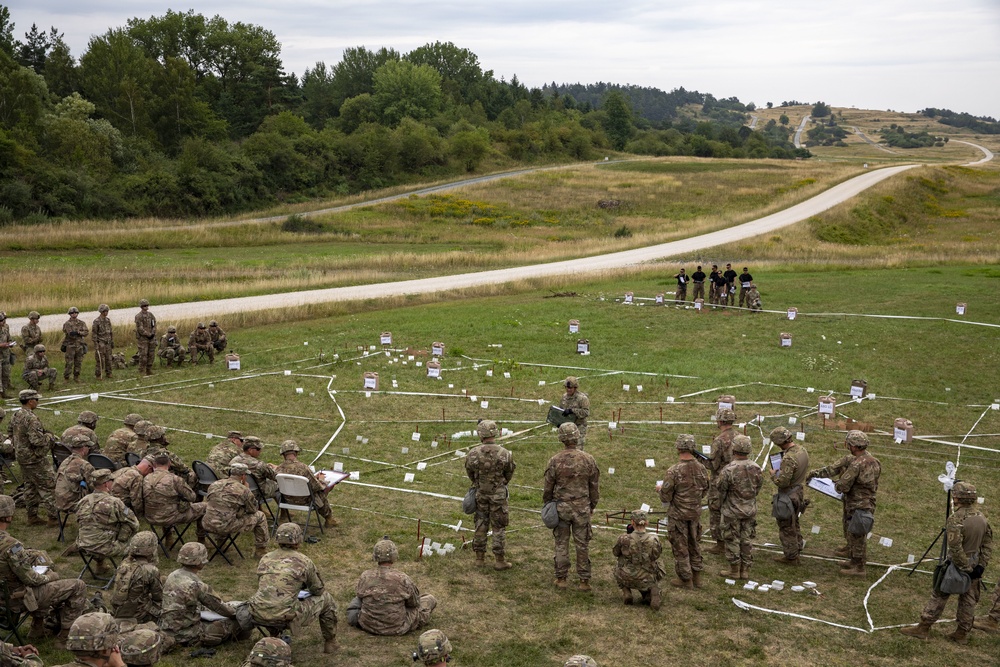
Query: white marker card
point(419, 364)
point(611, 471)
point(995, 406)
point(899, 433)
point(338, 466)
point(473, 398)
point(370, 347)
point(886, 542)
point(461, 454)
point(364, 441)
point(980, 500)
point(775, 462)
point(298, 390)
point(911, 558)
point(395, 384)
point(415, 437)
point(408, 477)
point(489, 373)
point(800, 436)
point(644, 507)
point(370, 382)
point(410, 357)
point(626, 387)
point(355, 475)
point(670, 399)
point(506, 374)
point(406, 450)
point(421, 465)
point(451, 386)
point(659, 298)
point(574, 328)
point(57, 412)
point(347, 450)
point(541, 383)
point(856, 391)
point(288, 372)
point(810, 390)
point(433, 372)
point(791, 314)
point(368, 394)
point(405, 363)
point(638, 387)
point(434, 444)
point(706, 450)
point(815, 530)
point(484, 404)
point(826, 408)
point(628, 297)
point(612, 424)
point(650, 463)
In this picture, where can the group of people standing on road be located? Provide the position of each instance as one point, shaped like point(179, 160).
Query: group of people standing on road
point(722, 286)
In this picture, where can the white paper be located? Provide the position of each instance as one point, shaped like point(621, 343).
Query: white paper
point(489, 373)
point(434, 444)
point(810, 390)
point(886, 542)
point(432, 372)
point(415, 437)
point(815, 530)
point(298, 390)
point(40, 569)
point(368, 394)
point(799, 435)
point(825, 486)
point(338, 466)
point(355, 475)
point(791, 314)
point(506, 374)
point(650, 463)
point(408, 477)
point(288, 372)
point(626, 387)
point(826, 408)
point(786, 342)
point(574, 328)
point(644, 507)
point(208, 615)
point(370, 382)
point(385, 340)
point(364, 441)
point(611, 471)
point(347, 450)
point(638, 387)
point(856, 391)
point(792, 421)
point(406, 450)
point(419, 364)
point(670, 399)
point(628, 298)
point(484, 404)
point(422, 465)
point(899, 433)
point(541, 383)
point(582, 347)
point(775, 462)
point(304, 595)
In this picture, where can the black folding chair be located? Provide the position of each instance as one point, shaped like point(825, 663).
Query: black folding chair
point(7, 470)
point(206, 476)
point(88, 566)
point(101, 461)
point(262, 502)
point(222, 544)
point(10, 621)
point(132, 459)
point(164, 531)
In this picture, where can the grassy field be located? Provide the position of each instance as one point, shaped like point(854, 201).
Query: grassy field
point(919, 369)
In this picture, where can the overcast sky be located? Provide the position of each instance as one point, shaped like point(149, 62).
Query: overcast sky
point(879, 54)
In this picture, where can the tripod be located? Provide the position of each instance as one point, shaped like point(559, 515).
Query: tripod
point(944, 543)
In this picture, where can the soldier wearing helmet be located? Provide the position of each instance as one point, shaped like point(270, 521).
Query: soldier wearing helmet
point(103, 336)
point(221, 454)
point(970, 544)
point(184, 594)
point(122, 439)
point(170, 349)
point(387, 602)
point(790, 480)
point(137, 591)
point(168, 499)
point(858, 475)
point(36, 369)
point(31, 333)
point(218, 336)
point(681, 491)
point(231, 507)
point(282, 574)
point(262, 472)
point(106, 525)
point(200, 340)
point(638, 566)
point(433, 649)
point(145, 336)
point(318, 487)
point(74, 344)
point(269, 652)
point(73, 480)
point(738, 484)
point(6, 356)
point(142, 646)
point(93, 641)
point(490, 467)
point(576, 404)
point(572, 481)
point(151, 439)
point(86, 425)
point(722, 454)
point(33, 447)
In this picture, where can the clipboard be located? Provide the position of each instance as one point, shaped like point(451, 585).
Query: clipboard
point(556, 417)
point(331, 478)
point(825, 486)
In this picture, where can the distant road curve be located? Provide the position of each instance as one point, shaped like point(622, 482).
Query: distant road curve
point(868, 140)
point(987, 153)
point(218, 308)
point(797, 140)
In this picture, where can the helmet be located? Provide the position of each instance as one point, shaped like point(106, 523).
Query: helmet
point(568, 432)
point(100, 476)
point(236, 469)
point(581, 661)
point(270, 652)
point(726, 416)
point(142, 647)
point(571, 382)
point(141, 427)
point(73, 311)
point(95, 631)
point(432, 647)
point(26, 395)
point(252, 442)
point(213, 323)
point(685, 442)
point(193, 553)
point(6, 506)
point(742, 445)
point(201, 325)
point(288, 534)
point(289, 446)
point(154, 432)
point(33, 315)
point(143, 303)
point(132, 419)
point(171, 329)
point(963, 491)
point(87, 418)
point(39, 348)
point(781, 435)
point(143, 543)
point(103, 308)
point(487, 429)
point(857, 439)
point(77, 440)
point(385, 551)
point(639, 516)
point(235, 434)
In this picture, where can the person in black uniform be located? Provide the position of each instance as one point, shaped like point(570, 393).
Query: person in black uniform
point(718, 291)
point(680, 295)
point(730, 275)
point(698, 278)
point(745, 279)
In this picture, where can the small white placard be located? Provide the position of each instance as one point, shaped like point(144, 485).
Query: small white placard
point(815, 530)
point(638, 387)
point(885, 541)
point(368, 394)
point(419, 364)
point(574, 328)
point(372, 347)
point(408, 477)
point(628, 297)
point(644, 507)
point(659, 299)
point(826, 408)
point(611, 471)
point(506, 374)
point(484, 404)
point(385, 339)
point(980, 500)
point(612, 424)
point(347, 450)
point(421, 465)
point(799, 435)
point(995, 406)
point(650, 463)
point(791, 314)
point(370, 382)
point(856, 391)
point(288, 372)
point(406, 450)
point(792, 421)
point(911, 558)
point(810, 390)
point(364, 441)
point(489, 373)
point(725, 405)
point(786, 342)
point(432, 372)
point(234, 364)
point(415, 437)
point(434, 444)
point(899, 433)
point(960, 309)
point(437, 351)
point(670, 399)
point(706, 450)
point(583, 347)
point(298, 390)
point(395, 384)
point(338, 466)
point(473, 398)
point(626, 387)
point(355, 475)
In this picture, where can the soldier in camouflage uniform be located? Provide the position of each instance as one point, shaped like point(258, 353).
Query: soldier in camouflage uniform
point(31, 333)
point(137, 591)
point(201, 341)
point(93, 641)
point(184, 594)
point(581, 660)
point(433, 649)
point(282, 574)
point(86, 425)
point(387, 602)
point(232, 508)
point(639, 566)
point(681, 492)
point(858, 482)
point(168, 500)
point(722, 454)
point(151, 440)
point(572, 480)
point(170, 349)
point(970, 546)
point(738, 485)
point(121, 439)
point(74, 343)
point(106, 525)
point(269, 652)
point(145, 336)
point(218, 336)
point(103, 335)
point(36, 368)
point(41, 594)
point(19, 656)
point(33, 447)
point(262, 472)
point(141, 647)
point(73, 479)
point(991, 622)
point(6, 357)
point(576, 404)
point(224, 452)
point(790, 480)
point(490, 467)
point(292, 466)
point(126, 485)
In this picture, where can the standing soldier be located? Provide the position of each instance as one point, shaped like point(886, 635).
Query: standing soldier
point(719, 287)
point(282, 575)
point(33, 448)
point(639, 565)
point(722, 454)
point(31, 333)
point(231, 508)
point(745, 279)
point(262, 472)
point(137, 592)
point(490, 467)
point(103, 336)
point(698, 279)
point(106, 525)
point(572, 481)
point(122, 439)
point(575, 403)
point(145, 336)
point(859, 483)
point(970, 545)
point(681, 492)
point(680, 294)
point(218, 336)
point(292, 466)
point(36, 368)
point(790, 500)
point(730, 277)
point(224, 452)
point(201, 341)
point(386, 601)
point(170, 348)
point(74, 343)
point(738, 485)
point(6, 356)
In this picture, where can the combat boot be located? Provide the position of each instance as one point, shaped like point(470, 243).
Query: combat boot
point(38, 630)
point(921, 631)
point(627, 596)
point(842, 552)
point(853, 568)
point(744, 572)
point(696, 578)
point(330, 646)
point(36, 520)
point(682, 583)
point(560, 582)
point(733, 572)
point(331, 522)
point(718, 549)
point(584, 586)
point(959, 637)
point(502, 563)
point(480, 559)
point(654, 597)
point(786, 561)
point(986, 625)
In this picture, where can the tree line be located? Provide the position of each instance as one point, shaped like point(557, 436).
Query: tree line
point(188, 115)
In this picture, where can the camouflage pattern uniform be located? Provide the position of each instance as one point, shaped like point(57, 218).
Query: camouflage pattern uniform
point(142, 646)
point(184, 594)
point(579, 405)
point(103, 335)
point(572, 480)
point(722, 454)
point(75, 331)
point(218, 336)
point(31, 333)
point(121, 439)
point(145, 336)
point(269, 652)
point(683, 489)
point(6, 357)
point(638, 555)
point(72, 481)
point(170, 348)
point(151, 440)
point(33, 448)
point(261, 471)
point(391, 604)
point(230, 507)
point(789, 479)
point(106, 525)
point(201, 340)
point(738, 485)
point(490, 467)
point(318, 489)
point(168, 500)
point(835, 470)
point(220, 456)
point(126, 485)
point(137, 591)
point(36, 368)
point(81, 429)
point(753, 298)
point(14, 656)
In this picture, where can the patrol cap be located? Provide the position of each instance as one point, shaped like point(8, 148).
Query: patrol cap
point(726, 416)
point(639, 516)
point(33, 315)
point(270, 652)
point(26, 395)
point(252, 442)
point(432, 647)
point(487, 429)
point(93, 632)
point(289, 446)
point(143, 543)
point(142, 647)
point(385, 551)
point(143, 303)
point(87, 417)
point(213, 323)
point(103, 308)
point(171, 329)
point(6, 506)
point(964, 491)
point(235, 434)
point(73, 311)
point(288, 534)
point(131, 419)
point(781, 435)
point(201, 325)
point(571, 381)
point(685, 443)
point(101, 476)
point(568, 432)
point(581, 661)
point(193, 553)
point(742, 444)
point(237, 469)
point(857, 439)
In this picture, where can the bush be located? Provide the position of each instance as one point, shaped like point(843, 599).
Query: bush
point(299, 224)
point(623, 232)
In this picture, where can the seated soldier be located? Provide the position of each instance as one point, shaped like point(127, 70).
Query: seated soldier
point(639, 566)
point(231, 508)
point(262, 472)
point(269, 652)
point(29, 572)
point(218, 336)
point(224, 452)
point(142, 646)
point(282, 574)
point(184, 595)
point(86, 424)
point(126, 485)
point(137, 591)
point(93, 641)
point(200, 341)
point(170, 348)
point(753, 298)
point(106, 525)
point(121, 439)
point(36, 369)
point(292, 466)
point(168, 500)
point(387, 601)
point(73, 476)
point(152, 439)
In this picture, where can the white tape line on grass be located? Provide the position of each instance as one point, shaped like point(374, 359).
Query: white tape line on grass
point(396, 488)
point(212, 407)
point(746, 606)
point(343, 421)
point(958, 457)
point(581, 368)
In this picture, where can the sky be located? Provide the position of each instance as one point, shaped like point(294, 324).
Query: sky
point(903, 55)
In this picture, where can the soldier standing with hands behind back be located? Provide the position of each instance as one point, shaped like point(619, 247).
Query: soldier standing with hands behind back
point(6, 357)
point(74, 345)
point(681, 492)
point(576, 404)
point(490, 467)
point(145, 336)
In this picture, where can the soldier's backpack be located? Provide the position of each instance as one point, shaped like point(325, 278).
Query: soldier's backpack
point(469, 502)
point(861, 522)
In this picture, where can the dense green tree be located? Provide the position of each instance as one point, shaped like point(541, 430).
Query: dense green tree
point(783, 119)
point(403, 90)
point(618, 125)
point(318, 95)
point(35, 49)
point(7, 42)
point(470, 147)
point(355, 74)
point(820, 110)
point(462, 78)
point(61, 72)
point(116, 75)
point(23, 98)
